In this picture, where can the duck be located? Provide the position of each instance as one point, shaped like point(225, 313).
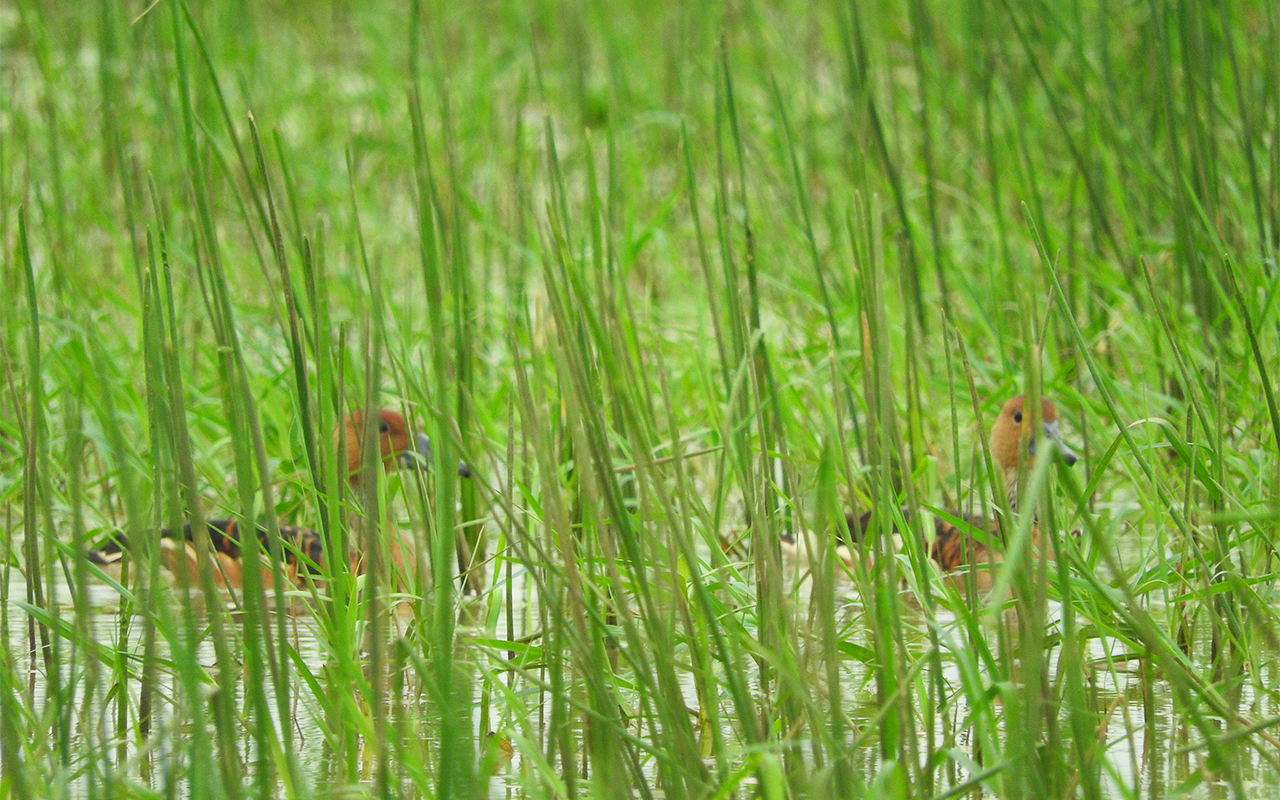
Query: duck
point(303, 548)
point(954, 548)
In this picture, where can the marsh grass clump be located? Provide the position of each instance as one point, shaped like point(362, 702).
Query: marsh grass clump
point(663, 277)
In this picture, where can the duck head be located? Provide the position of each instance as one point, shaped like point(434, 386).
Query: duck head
point(1014, 423)
point(398, 447)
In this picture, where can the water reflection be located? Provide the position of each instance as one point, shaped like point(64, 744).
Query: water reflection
point(1149, 746)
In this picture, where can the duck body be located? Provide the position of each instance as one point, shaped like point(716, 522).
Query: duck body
point(952, 546)
point(302, 548)
point(302, 551)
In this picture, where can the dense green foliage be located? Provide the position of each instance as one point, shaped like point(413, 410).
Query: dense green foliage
point(666, 276)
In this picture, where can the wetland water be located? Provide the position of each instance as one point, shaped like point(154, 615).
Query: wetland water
point(1151, 748)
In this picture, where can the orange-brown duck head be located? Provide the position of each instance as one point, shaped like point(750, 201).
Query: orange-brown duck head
point(397, 446)
point(1013, 423)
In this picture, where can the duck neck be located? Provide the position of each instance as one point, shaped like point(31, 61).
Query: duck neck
point(1011, 489)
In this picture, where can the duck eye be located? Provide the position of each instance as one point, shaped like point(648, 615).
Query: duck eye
point(383, 427)
point(1017, 416)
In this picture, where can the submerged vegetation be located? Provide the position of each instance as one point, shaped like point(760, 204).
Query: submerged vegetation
point(676, 281)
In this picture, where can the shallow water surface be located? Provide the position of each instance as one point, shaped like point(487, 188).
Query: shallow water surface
point(331, 732)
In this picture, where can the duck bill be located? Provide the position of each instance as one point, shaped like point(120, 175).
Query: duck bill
point(420, 455)
point(1067, 455)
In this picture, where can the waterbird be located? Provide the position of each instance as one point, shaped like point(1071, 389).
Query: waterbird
point(954, 546)
point(302, 548)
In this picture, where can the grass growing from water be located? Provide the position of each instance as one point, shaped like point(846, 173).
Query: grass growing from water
point(663, 277)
